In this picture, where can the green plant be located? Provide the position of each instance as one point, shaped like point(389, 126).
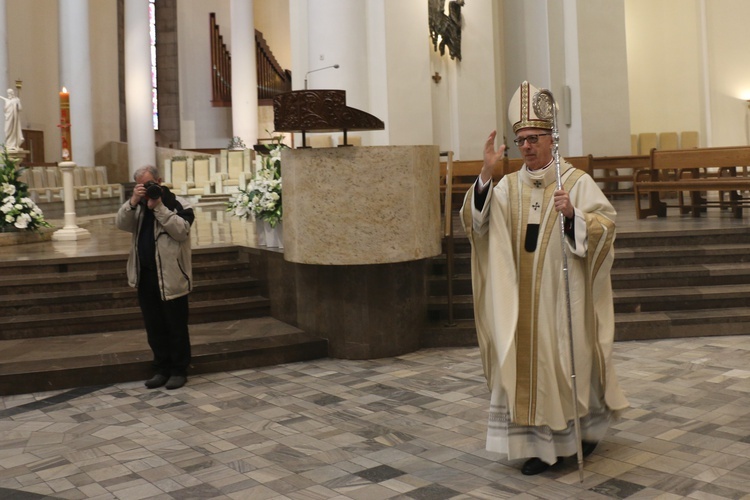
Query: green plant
point(262, 196)
point(17, 209)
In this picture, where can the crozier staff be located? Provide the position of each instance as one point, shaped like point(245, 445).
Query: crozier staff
point(520, 297)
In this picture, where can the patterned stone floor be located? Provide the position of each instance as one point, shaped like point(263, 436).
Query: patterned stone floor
point(410, 427)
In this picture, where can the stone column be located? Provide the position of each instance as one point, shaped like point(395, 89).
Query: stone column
point(244, 75)
point(75, 76)
point(4, 75)
point(141, 137)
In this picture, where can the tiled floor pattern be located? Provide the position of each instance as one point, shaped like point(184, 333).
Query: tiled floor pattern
point(410, 427)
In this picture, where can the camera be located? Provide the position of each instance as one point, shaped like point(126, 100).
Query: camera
point(153, 190)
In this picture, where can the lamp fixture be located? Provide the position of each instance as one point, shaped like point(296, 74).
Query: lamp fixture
point(334, 66)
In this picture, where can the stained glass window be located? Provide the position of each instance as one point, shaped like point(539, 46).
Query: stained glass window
point(152, 35)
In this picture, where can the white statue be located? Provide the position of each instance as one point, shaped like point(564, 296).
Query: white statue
point(13, 135)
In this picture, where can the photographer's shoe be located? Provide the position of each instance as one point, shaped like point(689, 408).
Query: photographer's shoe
point(175, 382)
point(157, 380)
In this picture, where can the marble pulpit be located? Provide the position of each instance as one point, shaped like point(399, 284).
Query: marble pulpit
point(359, 226)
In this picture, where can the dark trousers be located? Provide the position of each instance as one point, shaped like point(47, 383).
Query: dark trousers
point(166, 324)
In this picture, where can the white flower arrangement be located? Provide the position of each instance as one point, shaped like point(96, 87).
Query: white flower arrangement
point(261, 198)
point(17, 209)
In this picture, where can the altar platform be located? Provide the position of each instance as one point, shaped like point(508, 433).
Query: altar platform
point(221, 344)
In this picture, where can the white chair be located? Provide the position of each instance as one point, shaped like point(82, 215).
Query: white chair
point(176, 174)
point(38, 185)
point(108, 190)
point(668, 140)
point(234, 170)
point(200, 175)
point(96, 190)
point(80, 190)
point(689, 140)
point(646, 142)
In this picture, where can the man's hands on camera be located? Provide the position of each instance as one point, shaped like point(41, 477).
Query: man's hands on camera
point(139, 193)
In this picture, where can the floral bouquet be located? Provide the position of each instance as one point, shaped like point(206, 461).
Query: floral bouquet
point(262, 196)
point(17, 209)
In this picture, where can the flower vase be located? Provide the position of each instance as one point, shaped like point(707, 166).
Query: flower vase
point(260, 232)
point(274, 237)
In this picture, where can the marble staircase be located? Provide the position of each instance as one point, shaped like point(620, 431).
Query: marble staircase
point(666, 285)
point(73, 297)
point(69, 322)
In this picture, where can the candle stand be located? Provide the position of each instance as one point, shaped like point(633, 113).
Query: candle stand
point(70, 230)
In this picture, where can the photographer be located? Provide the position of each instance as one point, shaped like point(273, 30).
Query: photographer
point(159, 266)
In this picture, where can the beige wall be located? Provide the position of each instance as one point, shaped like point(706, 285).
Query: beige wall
point(672, 86)
point(33, 35)
point(729, 66)
point(33, 58)
point(664, 65)
point(272, 19)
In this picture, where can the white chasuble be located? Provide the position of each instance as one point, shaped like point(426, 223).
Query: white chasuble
point(521, 311)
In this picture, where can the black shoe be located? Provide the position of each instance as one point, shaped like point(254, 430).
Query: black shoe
point(176, 381)
point(588, 447)
point(534, 466)
point(157, 380)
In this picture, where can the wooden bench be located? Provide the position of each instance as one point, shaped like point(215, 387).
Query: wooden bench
point(693, 171)
point(614, 174)
point(462, 176)
point(465, 173)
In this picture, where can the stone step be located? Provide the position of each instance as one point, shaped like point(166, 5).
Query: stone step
point(628, 326)
point(108, 278)
point(124, 356)
point(666, 240)
point(686, 323)
point(644, 257)
point(724, 296)
point(633, 300)
point(646, 260)
point(94, 298)
point(681, 276)
point(112, 262)
point(107, 320)
point(679, 238)
point(437, 308)
point(438, 285)
point(689, 275)
point(460, 333)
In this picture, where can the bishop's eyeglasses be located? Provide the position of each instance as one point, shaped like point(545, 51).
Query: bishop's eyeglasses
point(533, 139)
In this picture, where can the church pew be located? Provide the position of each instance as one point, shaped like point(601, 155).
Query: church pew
point(466, 172)
point(614, 174)
point(693, 171)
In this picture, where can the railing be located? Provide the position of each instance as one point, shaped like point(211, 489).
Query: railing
point(448, 234)
point(272, 78)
